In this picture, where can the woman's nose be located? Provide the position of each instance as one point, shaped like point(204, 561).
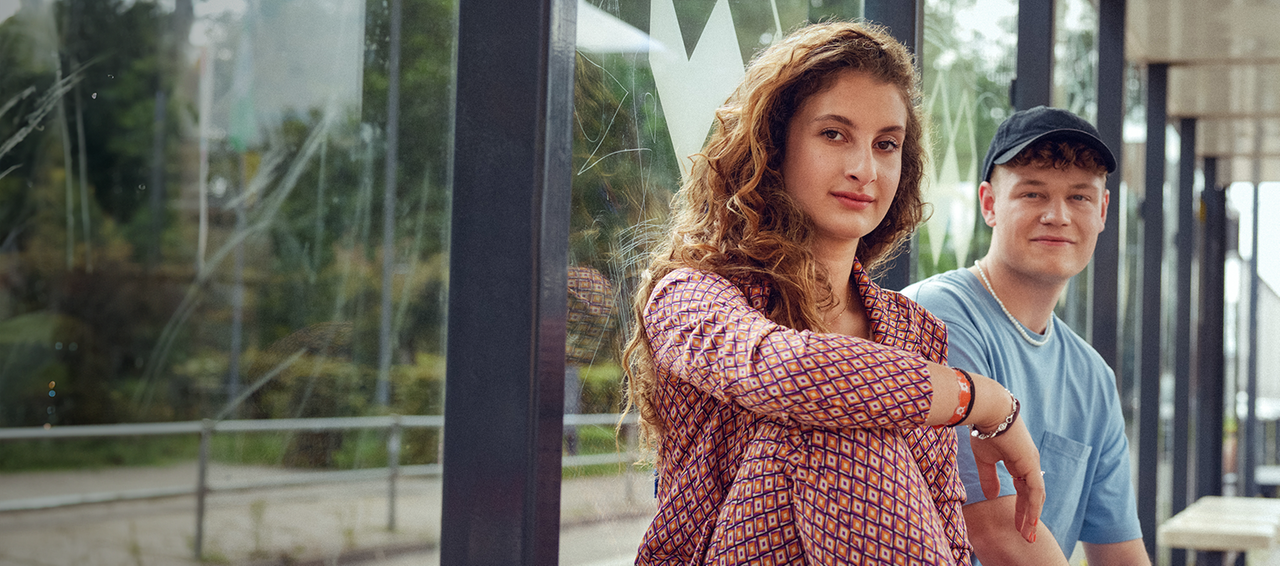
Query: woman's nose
point(860, 165)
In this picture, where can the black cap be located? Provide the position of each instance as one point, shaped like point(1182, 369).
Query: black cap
point(1027, 126)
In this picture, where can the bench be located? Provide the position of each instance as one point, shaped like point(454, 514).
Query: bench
point(1216, 525)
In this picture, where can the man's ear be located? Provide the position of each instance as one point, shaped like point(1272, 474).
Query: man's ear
point(1106, 203)
point(987, 200)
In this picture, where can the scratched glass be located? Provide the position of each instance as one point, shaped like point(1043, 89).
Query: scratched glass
point(204, 215)
point(649, 76)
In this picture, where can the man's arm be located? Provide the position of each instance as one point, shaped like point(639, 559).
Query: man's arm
point(995, 544)
point(1127, 553)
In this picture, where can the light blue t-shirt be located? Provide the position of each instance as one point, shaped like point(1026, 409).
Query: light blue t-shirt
point(1069, 404)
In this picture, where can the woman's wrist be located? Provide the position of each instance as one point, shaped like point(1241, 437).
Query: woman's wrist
point(1000, 428)
point(995, 408)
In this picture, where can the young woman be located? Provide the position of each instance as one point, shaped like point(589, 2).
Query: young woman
point(800, 413)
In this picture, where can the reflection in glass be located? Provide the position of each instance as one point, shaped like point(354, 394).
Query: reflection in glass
point(641, 109)
point(968, 65)
point(1075, 88)
point(192, 200)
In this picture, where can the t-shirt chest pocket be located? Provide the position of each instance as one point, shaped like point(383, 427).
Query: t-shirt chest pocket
point(1065, 463)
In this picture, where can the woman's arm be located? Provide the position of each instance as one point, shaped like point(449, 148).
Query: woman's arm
point(993, 405)
point(703, 332)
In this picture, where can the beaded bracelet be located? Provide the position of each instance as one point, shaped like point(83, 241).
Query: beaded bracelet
point(964, 384)
point(1013, 416)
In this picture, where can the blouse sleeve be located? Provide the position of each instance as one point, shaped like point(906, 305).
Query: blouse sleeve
point(935, 450)
point(703, 331)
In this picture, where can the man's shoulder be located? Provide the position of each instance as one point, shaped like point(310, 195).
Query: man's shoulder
point(1077, 348)
point(945, 294)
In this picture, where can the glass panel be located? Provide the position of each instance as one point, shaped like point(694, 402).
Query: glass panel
point(197, 224)
point(641, 106)
point(1075, 88)
point(970, 54)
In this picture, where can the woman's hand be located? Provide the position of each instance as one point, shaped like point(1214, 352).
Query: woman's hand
point(1021, 458)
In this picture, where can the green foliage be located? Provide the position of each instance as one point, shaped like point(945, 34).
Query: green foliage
point(94, 453)
point(601, 388)
point(117, 273)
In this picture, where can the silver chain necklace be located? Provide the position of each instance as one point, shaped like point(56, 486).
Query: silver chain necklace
point(1048, 331)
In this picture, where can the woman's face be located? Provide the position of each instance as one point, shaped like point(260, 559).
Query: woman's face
point(843, 157)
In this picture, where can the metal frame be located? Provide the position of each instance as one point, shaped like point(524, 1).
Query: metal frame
point(1210, 349)
point(905, 21)
point(1152, 268)
point(1248, 438)
point(504, 402)
point(1105, 315)
point(1034, 83)
point(1185, 244)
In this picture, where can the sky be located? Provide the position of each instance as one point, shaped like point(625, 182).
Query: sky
point(1240, 198)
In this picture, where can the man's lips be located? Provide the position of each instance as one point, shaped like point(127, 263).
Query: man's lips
point(1052, 240)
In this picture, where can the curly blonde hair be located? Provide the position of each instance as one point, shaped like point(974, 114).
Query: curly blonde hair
point(733, 215)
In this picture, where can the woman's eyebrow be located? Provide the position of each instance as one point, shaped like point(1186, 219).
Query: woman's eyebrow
point(843, 120)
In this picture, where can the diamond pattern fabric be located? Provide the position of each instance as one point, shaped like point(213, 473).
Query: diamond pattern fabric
point(795, 447)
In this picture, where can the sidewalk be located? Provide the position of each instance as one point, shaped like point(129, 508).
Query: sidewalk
point(603, 518)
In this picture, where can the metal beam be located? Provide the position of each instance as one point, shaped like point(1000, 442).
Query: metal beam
point(905, 20)
point(1210, 350)
point(508, 266)
point(1249, 442)
point(1152, 264)
point(1185, 244)
point(1210, 385)
point(1034, 83)
point(1105, 315)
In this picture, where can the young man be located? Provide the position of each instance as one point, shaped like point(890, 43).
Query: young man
point(1044, 196)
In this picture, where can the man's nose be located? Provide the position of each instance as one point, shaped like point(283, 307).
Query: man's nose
point(1055, 212)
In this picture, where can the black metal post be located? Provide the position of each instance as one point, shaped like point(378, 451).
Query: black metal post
point(508, 254)
point(1105, 315)
point(1152, 263)
point(1185, 244)
point(202, 486)
point(1034, 83)
point(382, 390)
point(905, 20)
point(1248, 436)
point(1211, 376)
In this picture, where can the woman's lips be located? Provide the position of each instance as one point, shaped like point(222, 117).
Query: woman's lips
point(856, 201)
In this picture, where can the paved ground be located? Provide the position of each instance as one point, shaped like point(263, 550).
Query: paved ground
point(603, 517)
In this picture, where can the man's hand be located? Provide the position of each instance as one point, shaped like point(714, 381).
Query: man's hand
point(1015, 448)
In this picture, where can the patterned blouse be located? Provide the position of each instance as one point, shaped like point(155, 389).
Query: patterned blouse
point(794, 447)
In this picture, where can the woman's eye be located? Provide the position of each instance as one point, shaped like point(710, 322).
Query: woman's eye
point(833, 135)
point(887, 145)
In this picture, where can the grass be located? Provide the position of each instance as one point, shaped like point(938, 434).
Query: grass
point(358, 449)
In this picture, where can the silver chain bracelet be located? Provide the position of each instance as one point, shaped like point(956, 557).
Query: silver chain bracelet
point(1013, 416)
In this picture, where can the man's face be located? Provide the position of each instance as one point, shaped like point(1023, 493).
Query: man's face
point(1045, 221)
